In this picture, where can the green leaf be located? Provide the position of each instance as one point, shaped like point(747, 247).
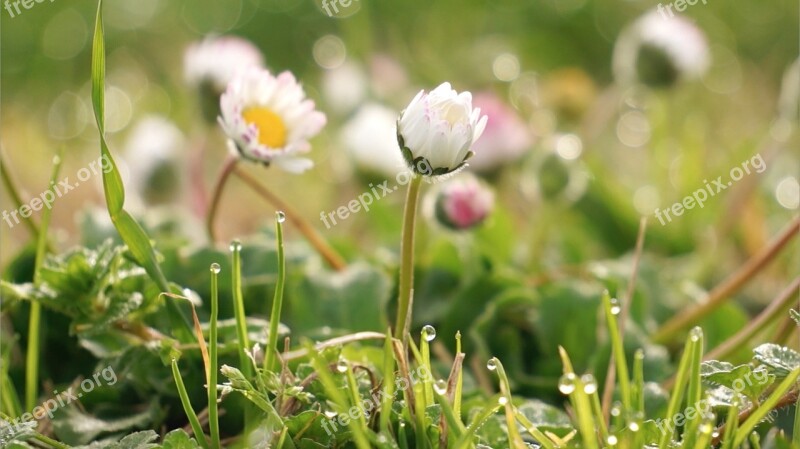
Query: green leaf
point(354, 299)
point(178, 439)
point(75, 427)
point(780, 359)
point(743, 378)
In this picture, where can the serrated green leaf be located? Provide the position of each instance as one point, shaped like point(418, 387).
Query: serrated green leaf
point(779, 359)
point(178, 439)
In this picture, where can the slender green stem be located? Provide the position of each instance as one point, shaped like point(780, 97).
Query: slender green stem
point(618, 350)
point(238, 309)
point(225, 173)
point(16, 199)
point(35, 318)
point(213, 416)
point(277, 300)
point(675, 400)
point(796, 427)
point(405, 299)
point(187, 406)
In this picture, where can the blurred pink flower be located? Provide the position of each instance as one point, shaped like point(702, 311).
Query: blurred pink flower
point(505, 139)
point(463, 203)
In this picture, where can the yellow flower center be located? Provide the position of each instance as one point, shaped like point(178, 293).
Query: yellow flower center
point(271, 129)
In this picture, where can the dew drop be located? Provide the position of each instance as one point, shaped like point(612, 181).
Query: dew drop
point(589, 384)
point(341, 366)
point(715, 434)
point(612, 440)
point(428, 332)
point(566, 384)
point(615, 306)
point(330, 414)
point(440, 386)
point(56, 160)
point(696, 334)
point(634, 426)
point(382, 439)
point(491, 364)
point(502, 400)
point(215, 268)
point(280, 216)
point(616, 410)
point(236, 245)
point(706, 427)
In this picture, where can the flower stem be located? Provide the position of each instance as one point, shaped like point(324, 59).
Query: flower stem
point(405, 299)
point(224, 174)
point(277, 302)
point(333, 258)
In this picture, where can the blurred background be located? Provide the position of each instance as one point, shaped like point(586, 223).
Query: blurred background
point(586, 140)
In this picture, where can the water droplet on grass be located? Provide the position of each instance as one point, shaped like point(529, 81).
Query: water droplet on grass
point(280, 216)
point(492, 364)
point(215, 268)
point(440, 386)
point(428, 332)
point(341, 366)
point(566, 384)
point(589, 384)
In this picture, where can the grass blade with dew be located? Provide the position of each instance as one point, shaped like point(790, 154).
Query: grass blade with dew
point(681, 379)
point(277, 301)
point(35, 318)
point(493, 404)
point(572, 386)
point(612, 310)
point(129, 230)
point(695, 388)
point(515, 439)
point(213, 414)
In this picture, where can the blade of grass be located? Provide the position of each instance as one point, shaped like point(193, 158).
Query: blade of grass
point(35, 318)
point(388, 383)
point(493, 405)
point(618, 350)
point(695, 388)
point(676, 399)
point(580, 403)
point(187, 406)
point(761, 412)
point(213, 417)
point(459, 379)
point(129, 230)
point(514, 438)
point(731, 424)
point(238, 309)
point(277, 301)
point(16, 199)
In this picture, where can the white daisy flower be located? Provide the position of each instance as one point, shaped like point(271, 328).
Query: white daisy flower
point(269, 119)
point(437, 130)
point(658, 50)
point(215, 61)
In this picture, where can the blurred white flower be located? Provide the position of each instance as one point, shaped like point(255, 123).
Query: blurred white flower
point(659, 51)
point(369, 139)
point(462, 203)
point(388, 77)
point(505, 139)
point(215, 61)
point(152, 154)
point(345, 87)
point(437, 130)
point(269, 119)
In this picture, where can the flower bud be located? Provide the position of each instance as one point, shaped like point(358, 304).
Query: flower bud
point(437, 129)
point(462, 203)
